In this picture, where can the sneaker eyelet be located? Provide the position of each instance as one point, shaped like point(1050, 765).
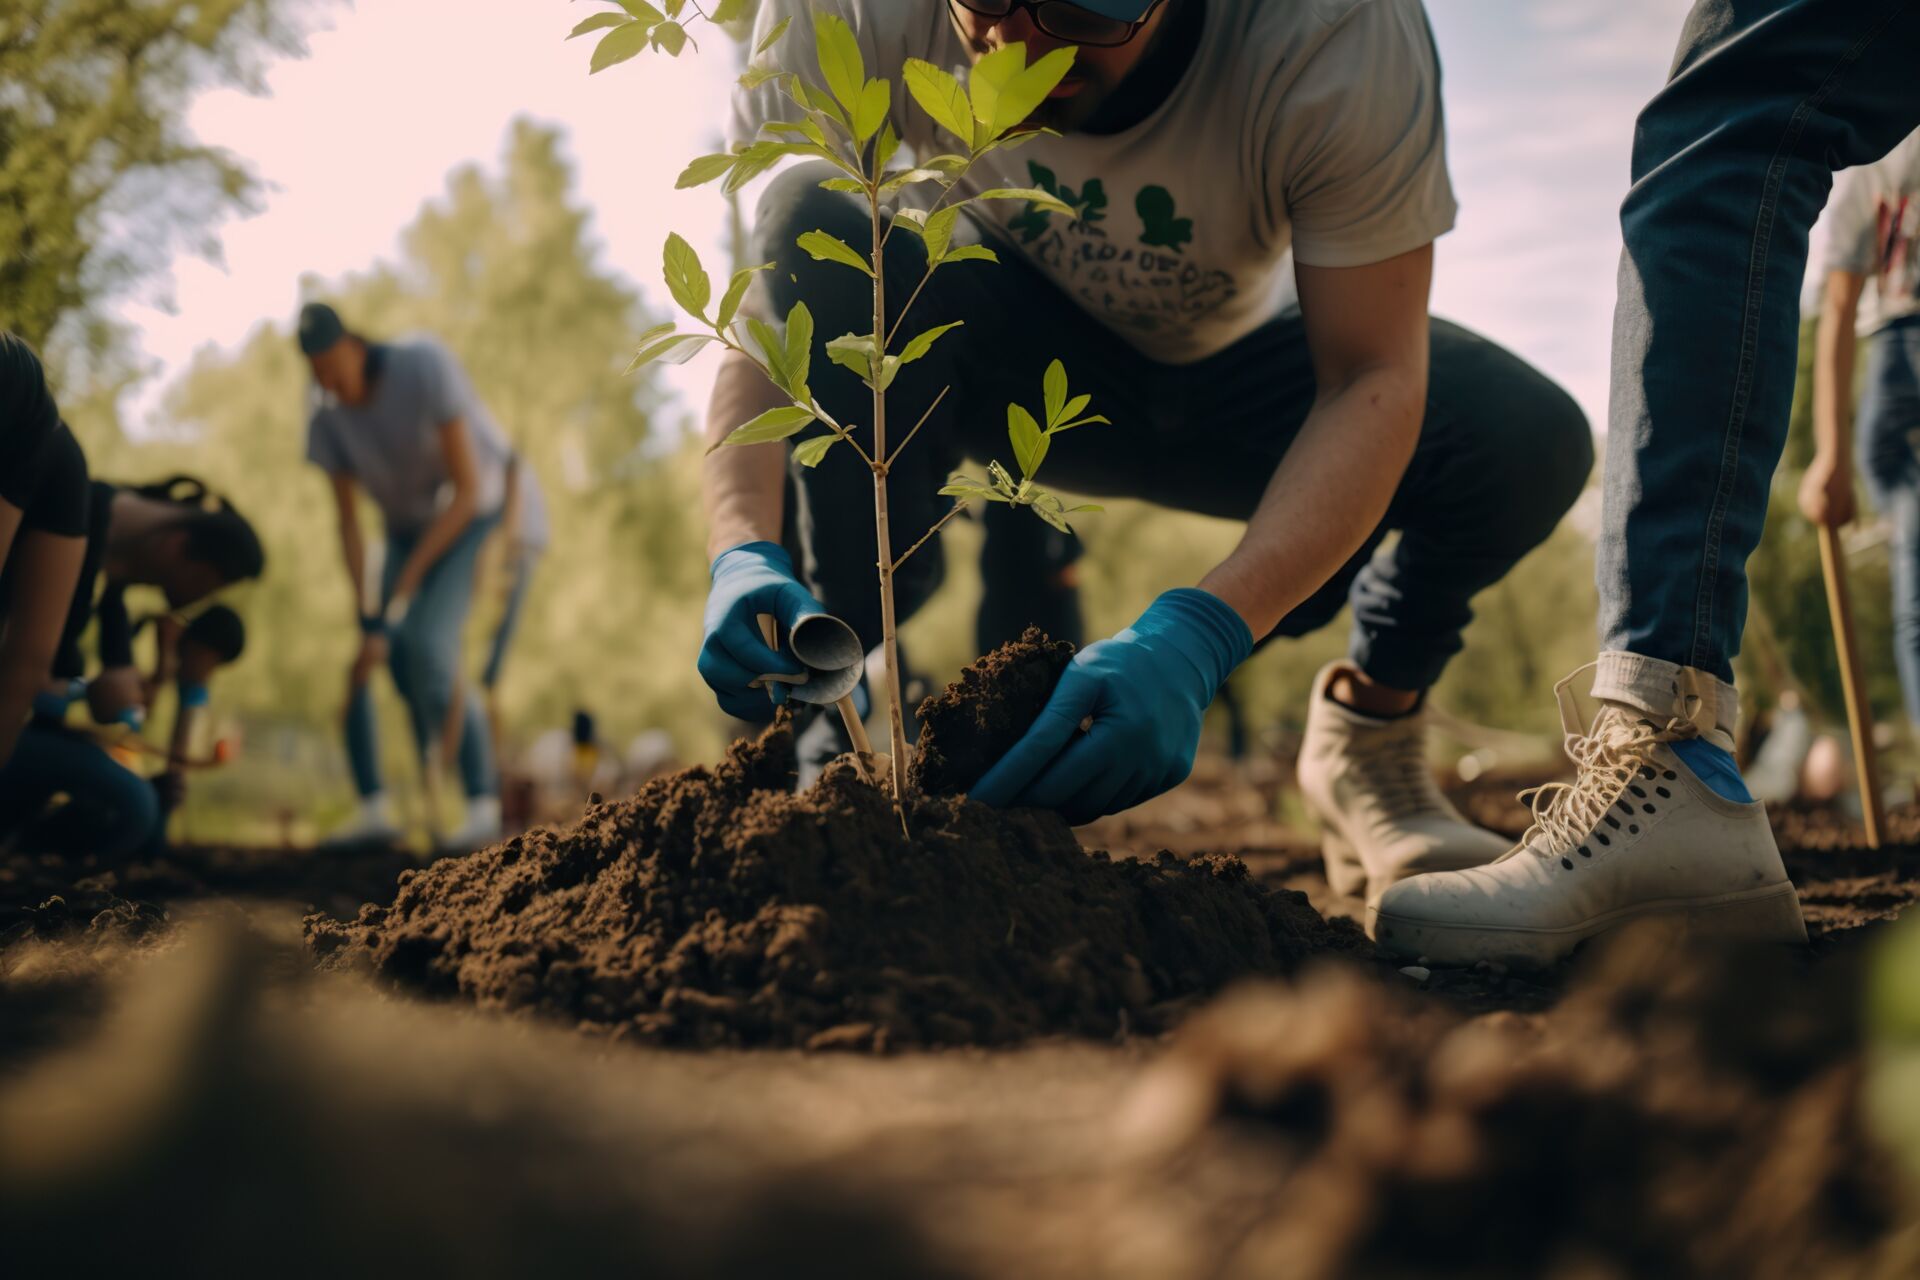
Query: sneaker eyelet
point(1633, 829)
point(1647, 807)
point(1670, 775)
point(1664, 793)
point(1646, 772)
point(1612, 821)
point(1585, 852)
point(1567, 863)
point(1637, 791)
point(1601, 836)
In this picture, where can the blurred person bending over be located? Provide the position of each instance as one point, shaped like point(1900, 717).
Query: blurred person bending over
point(401, 421)
point(1217, 152)
point(1872, 289)
point(189, 543)
point(1732, 163)
point(43, 532)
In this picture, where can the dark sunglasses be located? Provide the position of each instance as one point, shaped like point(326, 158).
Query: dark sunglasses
point(1062, 20)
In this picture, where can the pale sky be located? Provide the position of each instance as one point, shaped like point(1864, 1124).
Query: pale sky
point(1540, 98)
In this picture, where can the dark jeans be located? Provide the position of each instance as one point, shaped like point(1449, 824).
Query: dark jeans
point(1889, 447)
point(1502, 454)
point(1732, 162)
point(109, 811)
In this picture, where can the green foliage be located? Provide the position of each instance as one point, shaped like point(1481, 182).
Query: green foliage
point(1030, 443)
point(100, 181)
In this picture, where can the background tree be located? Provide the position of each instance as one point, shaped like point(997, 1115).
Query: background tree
point(100, 180)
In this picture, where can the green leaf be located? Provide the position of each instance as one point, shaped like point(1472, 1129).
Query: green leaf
point(948, 163)
point(1017, 97)
point(671, 37)
point(914, 220)
point(704, 170)
point(1029, 442)
point(767, 41)
point(1087, 506)
point(736, 292)
point(938, 233)
point(774, 424)
point(1072, 408)
point(968, 253)
point(643, 11)
point(599, 20)
point(673, 7)
point(653, 333)
point(921, 343)
point(726, 11)
point(810, 453)
point(965, 488)
point(826, 248)
point(1053, 389)
point(1018, 139)
point(941, 97)
point(889, 369)
point(1045, 199)
point(1001, 480)
point(686, 280)
point(799, 347)
point(907, 176)
point(750, 164)
point(757, 76)
point(617, 46)
point(1081, 422)
point(815, 100)
point(884, 150)
point(1050, 511)
point(675, 350)
point(841, 65)
point(773, 351)
point(843, 184)
point(853, 351)
point(871, 110)
point(993, 73)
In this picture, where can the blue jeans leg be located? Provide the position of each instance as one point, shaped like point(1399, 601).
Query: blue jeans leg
point(110, 811)
point(425, 653)
point(1888, 428)
point(363, 742)
point(522, 570)
point(1732, 163)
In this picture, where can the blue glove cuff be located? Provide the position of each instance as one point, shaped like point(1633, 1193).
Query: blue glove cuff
point(194, 695)
point(1223, 636)
point(766, 551)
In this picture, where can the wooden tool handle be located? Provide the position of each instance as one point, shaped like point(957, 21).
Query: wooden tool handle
point(1859, 715)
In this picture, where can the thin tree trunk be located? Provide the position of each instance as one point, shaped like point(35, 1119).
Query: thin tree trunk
point(897, 731)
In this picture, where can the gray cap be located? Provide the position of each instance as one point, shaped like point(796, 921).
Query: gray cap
point(320, 328)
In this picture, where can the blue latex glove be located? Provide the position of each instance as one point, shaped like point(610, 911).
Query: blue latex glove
point(749, 580)
point(1146, 690)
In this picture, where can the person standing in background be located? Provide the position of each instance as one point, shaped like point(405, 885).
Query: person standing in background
point(1872, 290)
point(401, 421)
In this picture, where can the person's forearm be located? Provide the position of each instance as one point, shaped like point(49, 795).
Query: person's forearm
point(440, 536)
point(1327, 496)
point(353, 552)
point(1834, 344)
point(744, 489)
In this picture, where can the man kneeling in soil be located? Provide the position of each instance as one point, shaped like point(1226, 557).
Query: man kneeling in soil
point(1203, 142)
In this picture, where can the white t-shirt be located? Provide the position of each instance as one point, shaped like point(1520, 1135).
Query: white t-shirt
point(391, 444)
point(1875, 232)
point(1310, 125)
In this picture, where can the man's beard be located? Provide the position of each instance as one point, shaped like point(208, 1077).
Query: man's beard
point(1064, 115)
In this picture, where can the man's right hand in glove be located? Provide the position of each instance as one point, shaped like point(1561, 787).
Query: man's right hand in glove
point(749, 580)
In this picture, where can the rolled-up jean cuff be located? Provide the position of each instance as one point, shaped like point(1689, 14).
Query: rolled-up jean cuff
point(1653, 686)
point(1396, 666)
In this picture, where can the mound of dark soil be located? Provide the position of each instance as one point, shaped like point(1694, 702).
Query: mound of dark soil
point(1681, 1113)
point(716, 908)
point(971, 724)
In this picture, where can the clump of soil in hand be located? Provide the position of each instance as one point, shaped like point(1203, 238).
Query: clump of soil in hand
point(1683, 1112)
point(716, 908)
point(968, 727)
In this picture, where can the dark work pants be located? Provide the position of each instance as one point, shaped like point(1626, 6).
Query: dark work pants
point(1502, 455)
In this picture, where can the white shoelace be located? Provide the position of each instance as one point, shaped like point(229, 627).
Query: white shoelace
point(1606, 759)
point(1395, 770)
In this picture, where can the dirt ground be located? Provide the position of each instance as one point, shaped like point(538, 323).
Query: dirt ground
point(172, 1066)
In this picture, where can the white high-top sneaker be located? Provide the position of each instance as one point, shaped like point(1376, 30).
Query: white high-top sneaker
point(1382, 814)
point(372, 823)
point(481, 828)
point(1635, 834)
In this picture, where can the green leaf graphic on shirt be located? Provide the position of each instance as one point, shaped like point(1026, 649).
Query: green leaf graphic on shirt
point(1089, 204)
point(1160, 227)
